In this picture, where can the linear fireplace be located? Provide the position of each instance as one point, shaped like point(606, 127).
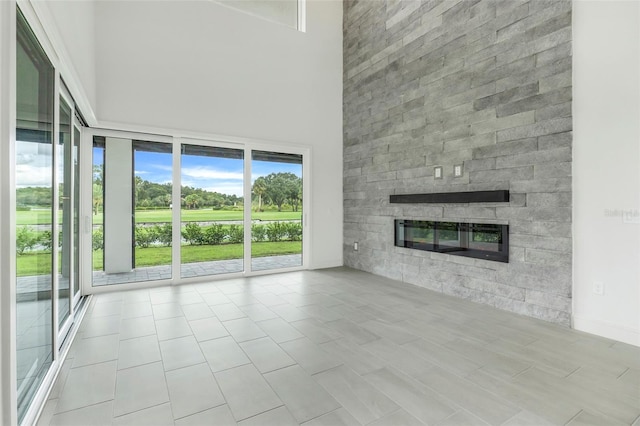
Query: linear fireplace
point(478, 240)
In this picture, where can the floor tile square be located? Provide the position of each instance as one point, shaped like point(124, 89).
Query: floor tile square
point(207, 329)
point(159, 415)
point(223, 353)
point(138, 351)
point(171, 328)
point(219, 416)
point(88, 385)
point(192, 390)
point(93, 415)
point(137, 327)
point(279, 330)
point(246, 391)
point(266, 355)
point(302, 396)
point(180, 352)
point(139, 388)
point(243, 329)
point(95, 350)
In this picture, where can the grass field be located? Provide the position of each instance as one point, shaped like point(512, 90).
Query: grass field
point(33, 217)
point(154, 256)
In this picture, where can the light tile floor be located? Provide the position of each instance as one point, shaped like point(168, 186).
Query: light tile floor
point(333, 347)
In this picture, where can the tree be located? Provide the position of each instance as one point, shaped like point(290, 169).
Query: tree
point(294, 192)
point(281, 187)
point(192, 201)
point(260, 189)
point(97, 198)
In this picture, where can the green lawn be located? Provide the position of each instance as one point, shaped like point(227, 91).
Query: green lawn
point(33, 217)
point(154, 256)
point(35, 263)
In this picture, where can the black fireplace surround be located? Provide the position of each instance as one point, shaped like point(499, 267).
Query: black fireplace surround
point(477, 240)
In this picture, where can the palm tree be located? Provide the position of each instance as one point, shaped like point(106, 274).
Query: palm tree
point(259, 188)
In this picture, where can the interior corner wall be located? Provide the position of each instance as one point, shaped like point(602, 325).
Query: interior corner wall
point(198, 66)
point(483, 83)
point(75, 22)
point(606, 169)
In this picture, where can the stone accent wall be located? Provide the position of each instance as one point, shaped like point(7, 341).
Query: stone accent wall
point(484, 83)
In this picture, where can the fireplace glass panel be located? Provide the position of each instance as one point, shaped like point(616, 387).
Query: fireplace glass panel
point(477, 240)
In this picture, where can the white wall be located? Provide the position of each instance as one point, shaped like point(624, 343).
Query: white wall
point(74, 40)
point(607, 167)
point(202, 67)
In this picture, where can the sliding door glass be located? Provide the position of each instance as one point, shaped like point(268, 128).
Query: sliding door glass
point(132, 210)
point(76, 211)
point(276, 210)
point(65, 218)
point(34, 196)
point(212, 210)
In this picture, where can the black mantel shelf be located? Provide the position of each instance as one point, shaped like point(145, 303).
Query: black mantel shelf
point(501, 196)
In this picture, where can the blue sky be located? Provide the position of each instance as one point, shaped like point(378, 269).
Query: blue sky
point(222, 175)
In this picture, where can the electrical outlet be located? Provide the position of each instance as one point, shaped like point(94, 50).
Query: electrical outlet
point(355, 246)
point(598, 288)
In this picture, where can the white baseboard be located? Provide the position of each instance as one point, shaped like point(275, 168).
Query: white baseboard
point(607, 329)
point(335, 263)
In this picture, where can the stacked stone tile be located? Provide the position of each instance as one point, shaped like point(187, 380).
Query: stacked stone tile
point(484, 83)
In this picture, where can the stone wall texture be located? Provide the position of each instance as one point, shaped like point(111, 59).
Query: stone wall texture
point(483, 83)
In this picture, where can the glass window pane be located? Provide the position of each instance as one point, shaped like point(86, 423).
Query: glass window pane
point(34, 200)
point(139, 250)
point(65, 182)
point(212, 210)
point(276, 210)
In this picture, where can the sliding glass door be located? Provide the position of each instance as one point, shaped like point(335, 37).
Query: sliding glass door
point(211, 211)
point(132, 210)
point(175, 210)
point(34, 204)
point(276, 213)
point(47, 211)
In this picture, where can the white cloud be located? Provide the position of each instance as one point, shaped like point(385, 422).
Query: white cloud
point(30, 175)
point(207, 173)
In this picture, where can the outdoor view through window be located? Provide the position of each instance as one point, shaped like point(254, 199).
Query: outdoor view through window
point(212, 236)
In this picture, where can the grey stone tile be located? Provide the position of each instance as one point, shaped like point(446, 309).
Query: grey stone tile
point(93, 415)
point(88, 385)
point(361, 400)
point(223, 353)
point(207, 329)
point(137, 327)
point(160, 415)
point(138, 351)
point(180, 352)
point(171, 328)
point(140, 387)
point(425, 406)
point(219, 416)
point(243, 329)
point(246, 391)
point(277, 417)
point(266, 355)
point(279, 330)
point(310, 356)
point(304, 398)
point(192, 390)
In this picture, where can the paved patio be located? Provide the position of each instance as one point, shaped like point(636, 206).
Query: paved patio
point(190, 270)
point(37, 283)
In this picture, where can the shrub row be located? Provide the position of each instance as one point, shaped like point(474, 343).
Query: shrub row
point(194, 234)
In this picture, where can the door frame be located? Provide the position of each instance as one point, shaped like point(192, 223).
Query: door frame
point(248, 145)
